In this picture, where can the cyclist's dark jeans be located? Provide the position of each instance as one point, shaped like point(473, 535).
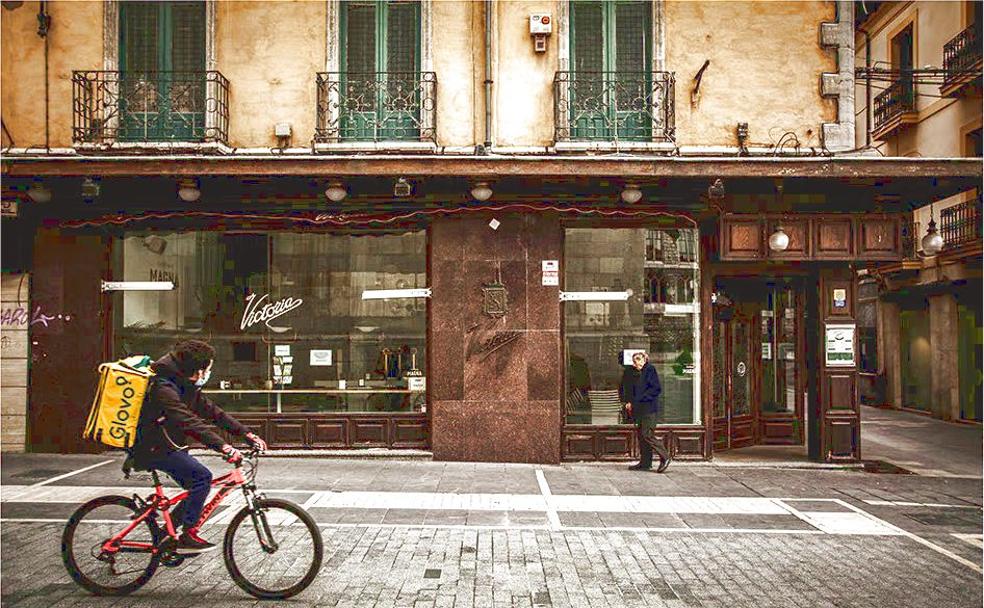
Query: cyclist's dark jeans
point(190, 475)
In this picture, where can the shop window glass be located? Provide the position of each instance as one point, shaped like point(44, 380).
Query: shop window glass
point(327, 351)
point(658, 267)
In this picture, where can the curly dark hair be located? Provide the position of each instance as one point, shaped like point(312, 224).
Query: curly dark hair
point(192, 355)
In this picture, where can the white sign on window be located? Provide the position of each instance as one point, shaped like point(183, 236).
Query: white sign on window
point(839, 345)
point(281, 350)
point(551, 272)
point(320, 358)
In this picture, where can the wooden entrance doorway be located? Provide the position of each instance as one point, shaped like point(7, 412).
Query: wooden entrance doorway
point(759, 374)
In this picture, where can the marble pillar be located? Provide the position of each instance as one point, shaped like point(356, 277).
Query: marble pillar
point(494, 380)
point(943, 340)
point(890, 351)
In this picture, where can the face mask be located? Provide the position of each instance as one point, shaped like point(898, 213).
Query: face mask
point(201, 381)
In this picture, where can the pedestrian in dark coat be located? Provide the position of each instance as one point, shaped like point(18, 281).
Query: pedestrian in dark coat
point(644, 408)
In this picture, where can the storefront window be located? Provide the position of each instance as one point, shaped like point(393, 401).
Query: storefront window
point(658, 268)
point(286, 315)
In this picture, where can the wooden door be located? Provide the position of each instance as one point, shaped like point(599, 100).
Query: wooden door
point(736, 408)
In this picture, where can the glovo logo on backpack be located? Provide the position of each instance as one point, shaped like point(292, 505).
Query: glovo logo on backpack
point(115, 412)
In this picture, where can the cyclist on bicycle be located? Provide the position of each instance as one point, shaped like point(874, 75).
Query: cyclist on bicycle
point(175, 408)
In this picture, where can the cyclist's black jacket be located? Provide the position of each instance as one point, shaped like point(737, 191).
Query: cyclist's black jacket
point(185, 411)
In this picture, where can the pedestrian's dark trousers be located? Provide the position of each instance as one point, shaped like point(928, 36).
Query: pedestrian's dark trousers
point(190, 475)
point(645, 425)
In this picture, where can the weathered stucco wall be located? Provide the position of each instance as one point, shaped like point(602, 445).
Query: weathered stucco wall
point(523, 78)
point(765, 69)
point(459, 60)
point(270, 52)
point(75, 42)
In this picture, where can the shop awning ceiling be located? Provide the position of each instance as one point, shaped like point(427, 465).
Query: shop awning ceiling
point(842, 183)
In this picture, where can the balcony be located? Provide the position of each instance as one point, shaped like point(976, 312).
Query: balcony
point(136, 110)
point(962, 62)
point(383, 109)
point(614, 107)
point(960, 226)
point(895, 107)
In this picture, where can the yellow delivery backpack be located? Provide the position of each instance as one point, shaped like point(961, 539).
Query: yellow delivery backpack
point(115, 411)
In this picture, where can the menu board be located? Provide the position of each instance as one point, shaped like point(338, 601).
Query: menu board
point(839, 345)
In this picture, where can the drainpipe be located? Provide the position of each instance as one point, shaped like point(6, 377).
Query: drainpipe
point(867, 87)
point(488, 75)
point(44, 24)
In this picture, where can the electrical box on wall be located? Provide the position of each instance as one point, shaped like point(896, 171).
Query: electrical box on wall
point(541, 26)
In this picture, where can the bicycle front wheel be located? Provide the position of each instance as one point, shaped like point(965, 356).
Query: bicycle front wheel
point(109, 570)
point(273, 551)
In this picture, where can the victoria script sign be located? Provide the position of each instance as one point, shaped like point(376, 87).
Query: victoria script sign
point(257, 311)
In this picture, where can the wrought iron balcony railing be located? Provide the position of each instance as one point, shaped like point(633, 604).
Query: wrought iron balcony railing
point(614, 106)
point(961, 223)
point(962, 54)
point(911, 236)
point(899, 98)
point(376, 106)
point(112, 107)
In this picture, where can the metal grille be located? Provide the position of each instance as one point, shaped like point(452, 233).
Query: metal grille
point(899, 98)
point(401, 36)
point(910, 240)
point(961, 223)
point(111, 106)
point(376, 106)
point(360, 37)
point(612, 106)
point(962, 54)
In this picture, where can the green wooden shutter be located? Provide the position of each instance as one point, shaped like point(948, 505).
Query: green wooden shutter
point(587, 88)
point(401, 106)
point(359, 103)
point(187, 60)
point(632, 92)
point(139, 60)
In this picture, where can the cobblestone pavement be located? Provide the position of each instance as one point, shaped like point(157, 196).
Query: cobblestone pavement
point(426, 534)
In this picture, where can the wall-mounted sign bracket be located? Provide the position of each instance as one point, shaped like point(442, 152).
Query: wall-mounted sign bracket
point(392, 294)
point(594, 296)
point(136, 286)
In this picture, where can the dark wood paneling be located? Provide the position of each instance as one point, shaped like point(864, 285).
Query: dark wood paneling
point(65, 352)
point(369, 432)
point(800, 243)
point(583, 442)
point(329, 433)
point(616, 445)
point(880, 238)
point(843, 439)
point(741, 239)
point(780, 432)
point(833, 238)
point(841, 393)
point(409, 433)
point(579, 446)
point(687, 445)
point(838, 313)
point(287, 433)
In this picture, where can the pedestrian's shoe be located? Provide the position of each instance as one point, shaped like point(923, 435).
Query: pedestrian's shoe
point(664, 459)
point(191, 542)
point(639, 467)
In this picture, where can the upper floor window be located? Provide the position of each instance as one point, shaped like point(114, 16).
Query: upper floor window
point(162, 71)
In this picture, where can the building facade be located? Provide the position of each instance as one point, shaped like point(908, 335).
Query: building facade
point(921, 96)
point(447, 225)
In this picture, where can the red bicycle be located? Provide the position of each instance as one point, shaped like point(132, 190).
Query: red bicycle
point(272, 547)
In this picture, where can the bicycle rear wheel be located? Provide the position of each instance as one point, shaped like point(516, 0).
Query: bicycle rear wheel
point(119, 571)
point(274, 551)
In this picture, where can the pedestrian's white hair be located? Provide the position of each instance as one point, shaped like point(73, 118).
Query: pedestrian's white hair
point(643, 354)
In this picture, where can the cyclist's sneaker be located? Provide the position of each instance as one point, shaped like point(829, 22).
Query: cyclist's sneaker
point(190, 542)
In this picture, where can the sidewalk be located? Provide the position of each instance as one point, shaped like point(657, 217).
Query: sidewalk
point(921, 444)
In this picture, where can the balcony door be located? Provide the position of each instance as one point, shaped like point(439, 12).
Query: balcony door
point(381, 74)
point(611, 54)
point(162, 71)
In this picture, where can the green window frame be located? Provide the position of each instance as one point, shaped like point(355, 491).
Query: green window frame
point(380, 80)
point(162, 71)
point(611, 88)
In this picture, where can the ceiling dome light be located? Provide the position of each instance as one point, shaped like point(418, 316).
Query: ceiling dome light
point(39, 193)
point(188, 190)
point(932, 243)
point(336, 192)
point(481, 191)
point(778, 240)
point(631, 194)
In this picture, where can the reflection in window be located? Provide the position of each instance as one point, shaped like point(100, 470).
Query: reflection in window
point(317, 339)
point(659, 269)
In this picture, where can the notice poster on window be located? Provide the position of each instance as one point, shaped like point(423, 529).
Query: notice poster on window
point(320, 358)
point(839, 345)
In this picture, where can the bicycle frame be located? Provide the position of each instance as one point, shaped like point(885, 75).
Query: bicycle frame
point(161, 502)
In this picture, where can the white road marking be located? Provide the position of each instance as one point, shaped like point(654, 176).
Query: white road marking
point(922, 541)
point(65, 476)
point(976, 540)
point(899, 503)
point(551, 509)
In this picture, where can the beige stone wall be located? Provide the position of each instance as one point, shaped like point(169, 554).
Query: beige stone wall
point(75, 42)
point(270, 52)
point(765, 70)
